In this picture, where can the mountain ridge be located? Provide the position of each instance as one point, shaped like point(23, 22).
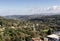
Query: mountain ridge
point(26, 17)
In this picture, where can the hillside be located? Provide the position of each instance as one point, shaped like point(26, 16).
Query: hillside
point(24, 28)
point(23, 17)
point(50, 20)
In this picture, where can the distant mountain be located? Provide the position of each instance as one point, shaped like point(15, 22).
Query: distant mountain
point(28, 17)
point(50, 20)
point(23, 17)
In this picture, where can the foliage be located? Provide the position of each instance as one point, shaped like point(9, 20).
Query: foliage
point(22, 30)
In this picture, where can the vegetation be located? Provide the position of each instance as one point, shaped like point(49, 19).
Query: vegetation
point(25, 30)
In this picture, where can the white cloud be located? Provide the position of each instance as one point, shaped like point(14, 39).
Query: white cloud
point(55, 7)
point(52, 9)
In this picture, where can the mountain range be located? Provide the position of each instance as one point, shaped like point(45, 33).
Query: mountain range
point(26, 17)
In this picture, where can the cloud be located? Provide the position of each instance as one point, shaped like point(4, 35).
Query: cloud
point(52, 9)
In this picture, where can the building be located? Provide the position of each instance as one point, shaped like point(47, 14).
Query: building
point(54, 37)
point(36, 39)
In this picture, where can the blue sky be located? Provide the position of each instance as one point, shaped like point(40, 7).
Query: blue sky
point(23, 7)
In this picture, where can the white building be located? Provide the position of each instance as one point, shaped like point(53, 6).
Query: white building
point(53, 37)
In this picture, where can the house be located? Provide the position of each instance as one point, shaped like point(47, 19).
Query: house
point(53, 37)
point(36, 39)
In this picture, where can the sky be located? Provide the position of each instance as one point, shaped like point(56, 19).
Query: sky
point(28, 7)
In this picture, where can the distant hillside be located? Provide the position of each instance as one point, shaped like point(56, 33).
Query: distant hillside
point(23, 17)
point(26, 17)
point(51, 20)
point(47, 20)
